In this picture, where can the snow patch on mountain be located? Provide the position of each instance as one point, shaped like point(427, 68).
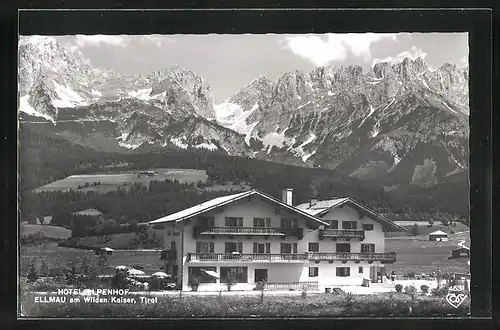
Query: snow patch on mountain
point(178, 142)
point(205, 145)
point(372, 110)
point(68, 98)
point(274, 140)
point(141, 94)
point(448, 107)
point(96, 93)
point(25, 107)
point(307, 156)
point(129, 145)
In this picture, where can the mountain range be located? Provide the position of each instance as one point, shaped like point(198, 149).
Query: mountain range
point(399, 124)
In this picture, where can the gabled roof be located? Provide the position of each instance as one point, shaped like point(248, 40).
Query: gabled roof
point(320, 208)
point(438, 232)
point(224, 200)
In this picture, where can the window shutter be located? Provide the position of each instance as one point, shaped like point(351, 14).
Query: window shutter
point(268, 222)
point(282, 222)
point(240, 247)
point(281, 248)
point(254, 247)
point(211, 247)
point(268, 247)
point(240, 222)
point(294, 247)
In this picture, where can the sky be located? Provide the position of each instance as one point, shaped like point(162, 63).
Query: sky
point(228, 62)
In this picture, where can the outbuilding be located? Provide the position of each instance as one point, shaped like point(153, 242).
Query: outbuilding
point(438, 235)
point(461, 252)
point(106, 250)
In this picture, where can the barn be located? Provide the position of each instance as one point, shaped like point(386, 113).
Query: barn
point(107, 251)
point(461, 252)
point(438, 235)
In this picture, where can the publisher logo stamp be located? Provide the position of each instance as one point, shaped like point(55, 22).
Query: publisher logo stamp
point(455, 298)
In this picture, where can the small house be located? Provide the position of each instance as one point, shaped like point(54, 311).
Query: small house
point(461, 252)
point(106, 251)
point(438, 235)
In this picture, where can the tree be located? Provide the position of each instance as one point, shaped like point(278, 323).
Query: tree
point(414, 230)
point(431, 222)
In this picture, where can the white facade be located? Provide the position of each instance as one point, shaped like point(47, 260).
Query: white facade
point(277, 263)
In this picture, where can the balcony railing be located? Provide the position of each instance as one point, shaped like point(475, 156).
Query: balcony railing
point(386, 257)
point(285, 286)
point(248, 231)
point(168, 255)
point(247, 257)
point(342, 233)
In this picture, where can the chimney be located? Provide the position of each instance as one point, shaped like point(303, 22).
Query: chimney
point(312, 201)
point(287, 196)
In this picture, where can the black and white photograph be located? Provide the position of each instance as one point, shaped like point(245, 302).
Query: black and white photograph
point(244, 175)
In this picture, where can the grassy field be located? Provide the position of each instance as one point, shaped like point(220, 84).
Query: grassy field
point(251, 306)
point(56, 256)
point(45, 231)
point(110, 182)
point(424, 230)
point(418, 254)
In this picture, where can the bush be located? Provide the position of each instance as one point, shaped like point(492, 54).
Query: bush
point(410, 275)
point(414, 230)
point(119, 281)
point(399, 288)
point(411, 290)
point(261, 285)
point(32, 274)
point(194, 284)
point(424, 288)
point(440, 291)
point(303, 293)
point(431, 222)
point(230, 281)
point(348, 303)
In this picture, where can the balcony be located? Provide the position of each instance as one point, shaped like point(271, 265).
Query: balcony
point(168, 255)
point(387, 257)
point(247, 257)
point(342, 233)
point(247, 231)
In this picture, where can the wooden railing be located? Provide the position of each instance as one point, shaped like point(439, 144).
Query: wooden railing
point(285, 286)
point(250, 231)
point(386, 257)
point(247, 257)
point(168, 255)
point(342, 233)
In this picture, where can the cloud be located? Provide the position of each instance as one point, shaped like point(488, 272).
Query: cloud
point(336, 47)
point(413, 54)
point(100, 39)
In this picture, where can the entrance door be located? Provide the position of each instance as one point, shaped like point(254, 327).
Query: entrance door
point(376, 272)
point(260, 275)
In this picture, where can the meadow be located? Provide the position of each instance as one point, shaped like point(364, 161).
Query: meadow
point(111, 181)
point(56, 256)
point(418, 254)
point(45, 231)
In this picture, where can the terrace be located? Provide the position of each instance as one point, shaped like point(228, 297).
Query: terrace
point(341, 233)
point(246, 231)
point(247, 257)
point(386, 257)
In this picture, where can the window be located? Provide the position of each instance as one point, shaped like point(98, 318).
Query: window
point(240, 274)
point(343, 247)
point(313, 247)
point(262, 222)
point(234, 222)
point(261, 247)
point(205, 222)
point(367, 248)
point(288, 247)
point(199, 273)
point(343, 271)
point(334, 224)
point(234, 247)
point(360, 270)
point(175, 269)
point(204, 247)
point(313, 271)
point(368, 226)
point(288, 223)
point(172, 246)
point(349, 225)
point(176, 233)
